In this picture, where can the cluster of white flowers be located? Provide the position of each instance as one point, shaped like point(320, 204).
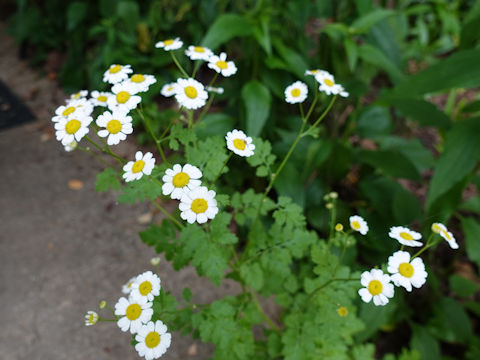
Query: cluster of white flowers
point(72, 120)
point(135, 315)
point(190, 93)
point(405, 271)
point(183, 183)
point(297, 92)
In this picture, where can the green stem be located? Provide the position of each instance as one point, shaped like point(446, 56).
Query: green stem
point(340, 259)
point(210, 100)
point(184, 73)
point(427, 245)
point(195, 68)
point(87, 150)
point(269, 321)
point(107, 320)
point(324, 113)
point(167, 214)
point(106, 150)
point(221, 169)
point(146, 121)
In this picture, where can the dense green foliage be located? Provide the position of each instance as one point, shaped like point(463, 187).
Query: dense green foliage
point(397, 151)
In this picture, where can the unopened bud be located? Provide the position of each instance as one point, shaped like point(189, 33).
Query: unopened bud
point(339, 227)
point(102, 304)
point(155, 261)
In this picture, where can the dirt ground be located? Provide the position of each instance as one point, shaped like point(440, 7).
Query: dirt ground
point(64, 247)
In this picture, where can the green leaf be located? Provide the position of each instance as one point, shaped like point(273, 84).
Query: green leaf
point(390, 162)
point(425, 343)
point(187, 294)
point(262, 157)
point(226, 27)
point(252, 274)
point(376, 57)
point(257, 99)
point(373, 121)
point(179, 134)
point(141, 190)
point(471, 228)
point(462, 286)
point(451, 322)
point(456, 71)
point(365, 22)
point(129, 12)
point(106, 180)
point(219, 229)
point(209, 155)
point(295, 63)
point(422, 111)
point(162, 238)
point(75, 14)
point(461, 153)
point(374, 317)
point(351, 49)
point(214, 124)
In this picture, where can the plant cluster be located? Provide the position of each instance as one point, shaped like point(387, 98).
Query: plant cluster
point(260, 240)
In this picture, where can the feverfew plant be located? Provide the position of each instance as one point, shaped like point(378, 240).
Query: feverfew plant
point(259, 240)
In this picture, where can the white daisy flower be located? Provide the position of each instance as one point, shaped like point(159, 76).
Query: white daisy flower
point(127, 287)
point(91, 318)
point(70, 147)
point(72, 128)
point(146, 285)
point(82, 94)
point(117, 73)
point(357, 223)
point(198, 205)
point(198, 53)
point(143, 165)
point(240, 143)
point(328, 85)
point(405, 272)
point(221, 65)
point(444, 233)
point(315, 72)
point(78, 107)
point(405, 236)
point(99, 98)
point(117, 126)
point(377, 286)
point(179, 180)
point(134, 313)
point(296, 93)
point(123, 98)
point(141, 82)
point(168, 90)
point(170, 44)
point(190, 93)
point(217, 90)
point(153, 340)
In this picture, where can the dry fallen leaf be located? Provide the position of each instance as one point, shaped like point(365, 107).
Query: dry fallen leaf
point(192, 350)
point(75, 184)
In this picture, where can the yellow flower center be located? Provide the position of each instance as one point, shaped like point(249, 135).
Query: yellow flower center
point(199, 206)
point(199, 49)
point(295, 92)
point(114, 69)
point(102, 98)
point(72, 126)
point(356, 225)
point(138, 166)
point(122, 97)
point(77, 95)
point(406, 236)
point(138, 78)
point(436, 228)
point(191, 92)
point(170, 88)
point(91, 319)
point(405, 269)
point(328, 82)
point(145, 288)
point(152, 339)
point(133, 311)
point(114, 126)
point(342, 311)
point(239, 144)
point(168, 42)
point(339, 227)
point(180, 180)
point(68, 111)
point(222, 64)
point(375, 287)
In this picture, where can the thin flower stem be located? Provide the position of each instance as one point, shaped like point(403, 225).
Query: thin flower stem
point(109, 308)
point(195, 68)
point(171, 124)
point(300, 105)
point(267, 319)
point(340, 259)
point(427, 245)
point(106, 150)
point(184, 73)
point(107, 320)
point(221, 169)
point(146, 121)
point(190, 119)
point(167, 214)
point(310, 110)
point(324, 113)
point(87, 150)
point(314, 292)
point(210, 100)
